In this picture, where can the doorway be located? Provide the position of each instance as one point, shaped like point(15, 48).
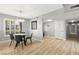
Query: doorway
point(72, 30)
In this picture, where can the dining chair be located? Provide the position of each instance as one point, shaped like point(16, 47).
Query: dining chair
point(30, 38)
point(23, 37)
point(18, 39)
point(12, 38)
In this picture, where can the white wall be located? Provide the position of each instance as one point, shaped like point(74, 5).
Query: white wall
point(59, 16)
point(49, 29)
point(60, 29)
point(26, 27)
point(37, 34)
point(2, 17)
point(59, 25)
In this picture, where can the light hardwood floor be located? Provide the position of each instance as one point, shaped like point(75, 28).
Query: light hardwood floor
point(47, 46)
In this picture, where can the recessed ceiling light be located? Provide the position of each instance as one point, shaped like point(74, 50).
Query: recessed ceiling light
point(72, 21)
point(49, 20)
point(73, 24)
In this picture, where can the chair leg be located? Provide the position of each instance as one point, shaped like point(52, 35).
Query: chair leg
point(10, 43)
point(22, 44)
point(13, 41)
point(26, 41)
point(31, 41)
point(16, 44)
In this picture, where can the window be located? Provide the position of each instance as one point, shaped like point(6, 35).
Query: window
point(34, 25)
point(10, 27)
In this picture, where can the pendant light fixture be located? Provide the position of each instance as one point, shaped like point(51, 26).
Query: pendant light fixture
point(19, 19)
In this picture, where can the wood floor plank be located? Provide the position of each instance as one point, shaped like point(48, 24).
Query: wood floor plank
point(47, 46)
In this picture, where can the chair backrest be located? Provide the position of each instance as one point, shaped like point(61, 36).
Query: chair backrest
point(23, 32)
point(18, 38)
point(11, 36)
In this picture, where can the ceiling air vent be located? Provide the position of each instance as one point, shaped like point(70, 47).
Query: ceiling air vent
point(75, 6)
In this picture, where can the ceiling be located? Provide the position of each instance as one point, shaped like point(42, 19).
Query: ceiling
point(28, 10)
